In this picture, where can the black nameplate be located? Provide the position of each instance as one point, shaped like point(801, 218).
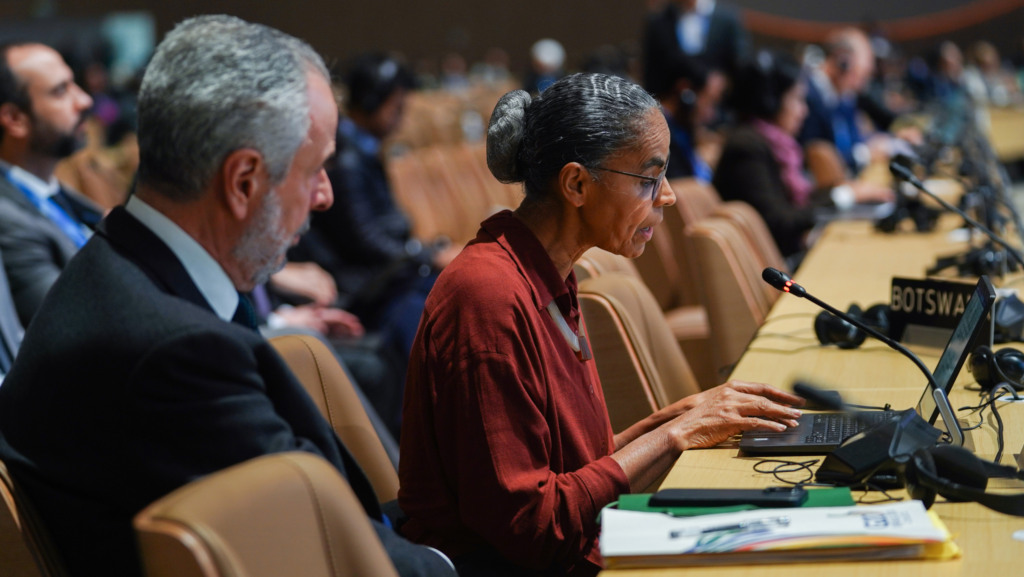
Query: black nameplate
point(925, 311)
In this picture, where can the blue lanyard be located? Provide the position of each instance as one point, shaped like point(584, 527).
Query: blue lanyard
point(53, 211)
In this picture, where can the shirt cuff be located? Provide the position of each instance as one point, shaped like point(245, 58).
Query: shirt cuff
point(843, 197)
point(443, 556)
point(276, 321)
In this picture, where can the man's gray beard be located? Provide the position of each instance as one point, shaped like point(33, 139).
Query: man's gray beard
point(261, 250)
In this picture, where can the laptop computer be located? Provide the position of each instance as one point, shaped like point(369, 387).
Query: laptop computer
point(821, 433)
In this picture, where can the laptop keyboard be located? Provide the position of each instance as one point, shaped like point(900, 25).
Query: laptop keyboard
point(832, 428)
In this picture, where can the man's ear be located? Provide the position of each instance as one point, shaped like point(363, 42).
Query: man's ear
point(574, 181)
point(15, 121)
point(245, 180)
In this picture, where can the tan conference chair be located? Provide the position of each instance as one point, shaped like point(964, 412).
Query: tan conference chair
point(25, 548)
point(334, 394)
point(641, 366)
point(280, 514)
point(596, 262)
point(730, 279)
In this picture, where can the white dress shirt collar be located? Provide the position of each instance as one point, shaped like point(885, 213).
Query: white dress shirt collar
point(692, 27)
point(37, 186)
point(207, 274)
point(704, 7)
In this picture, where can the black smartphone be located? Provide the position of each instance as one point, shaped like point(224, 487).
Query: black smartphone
point(768, 497)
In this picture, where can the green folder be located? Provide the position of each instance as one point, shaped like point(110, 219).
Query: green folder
point(816, 497)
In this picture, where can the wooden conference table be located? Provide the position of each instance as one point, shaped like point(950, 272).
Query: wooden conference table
point(852, 263)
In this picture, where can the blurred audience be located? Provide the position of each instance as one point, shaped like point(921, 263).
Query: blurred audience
point(705, 29)
point(762, 162)
point(493, 71)
point(689, 94)
point(986, 79)
point(832, 97)
point(42, 222)
point(454, 73)
point(547, 64)
point(382, 273)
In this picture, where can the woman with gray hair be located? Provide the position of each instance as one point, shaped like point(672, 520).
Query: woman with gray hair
point(507, 450)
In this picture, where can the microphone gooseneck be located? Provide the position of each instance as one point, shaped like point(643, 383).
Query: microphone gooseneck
point(903, 173)
point(782, 282)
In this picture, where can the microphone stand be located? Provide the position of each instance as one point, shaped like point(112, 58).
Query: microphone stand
point(782, 282)
point(903, 173)
point(871, 457)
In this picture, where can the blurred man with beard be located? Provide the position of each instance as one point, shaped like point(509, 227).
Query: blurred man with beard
point(143, 371)
point(42, 224)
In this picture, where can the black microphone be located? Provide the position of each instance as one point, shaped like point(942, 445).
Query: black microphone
point(903, 173)
point(819, 398)
point(782, 282)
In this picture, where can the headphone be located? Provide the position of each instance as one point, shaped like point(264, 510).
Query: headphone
point(831, 329)
point(958, 475)
point(991, 368)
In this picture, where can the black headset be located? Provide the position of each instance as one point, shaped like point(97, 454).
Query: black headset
point(1003, 366)
point(831, 329)
point(958, 475)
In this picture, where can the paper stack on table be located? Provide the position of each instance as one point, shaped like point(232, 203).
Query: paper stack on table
point(891, 531)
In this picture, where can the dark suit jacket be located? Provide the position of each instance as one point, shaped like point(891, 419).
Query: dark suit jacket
point(34, 249)
point(129, 386)
point(748, 171)
point(726, 43)
point(364, 227)
point(10, 328)
point(821, 121)
point(361, 239)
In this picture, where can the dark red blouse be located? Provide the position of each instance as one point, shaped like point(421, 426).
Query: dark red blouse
point(505, 435)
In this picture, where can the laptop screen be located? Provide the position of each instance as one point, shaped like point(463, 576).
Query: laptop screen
point(958, 347)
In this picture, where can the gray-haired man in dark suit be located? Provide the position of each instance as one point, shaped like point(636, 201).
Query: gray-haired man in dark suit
point(143, 371)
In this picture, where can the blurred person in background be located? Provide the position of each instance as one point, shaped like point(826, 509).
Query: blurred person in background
point(689, 94)
point(987, 80)
point(707, 30)
point(547, 64)
point(382, 273)
point(833, 89)
point(42, 120)
point(762, 162)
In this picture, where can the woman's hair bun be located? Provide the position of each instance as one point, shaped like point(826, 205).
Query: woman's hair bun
point(505, 136)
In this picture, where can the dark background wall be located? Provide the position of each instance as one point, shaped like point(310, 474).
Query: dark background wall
point(427, 29)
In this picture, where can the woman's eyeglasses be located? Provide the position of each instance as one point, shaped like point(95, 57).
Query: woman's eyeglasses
point(652, 181)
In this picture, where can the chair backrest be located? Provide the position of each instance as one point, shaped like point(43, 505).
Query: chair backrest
point(694, 199)
point(596, 262)
point(25, 549)
point(662, 269)
point(641, 366)
point(333, 392)
point(755, 231)
point(730, 280)
point(280, 514)
point(759, 239)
